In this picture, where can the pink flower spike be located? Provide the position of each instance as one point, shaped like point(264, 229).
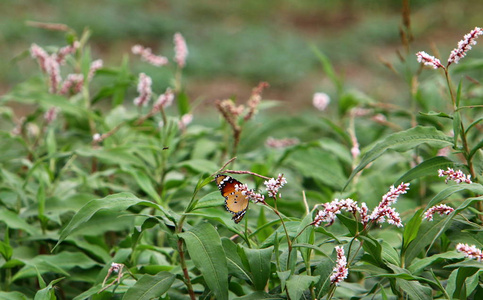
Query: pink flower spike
point(320, 101)
point(39, 53)
point(95, 65)
point(64, 51)
point(73, 82)
point(340, 271)
point(51, 114)
point(273, 185)
point(464, 45)
point(255, 197)
point(53, 69)
point(456, 176)
point(180, 50)
point(470, 251)
point(144, 90)
point(184, 121)
point(384, 208)
point(429, 60)
point(331, 209)
point(164, 100)
point(148, 56)
point(442, 209)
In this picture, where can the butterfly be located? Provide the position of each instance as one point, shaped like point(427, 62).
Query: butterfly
point(235, 201)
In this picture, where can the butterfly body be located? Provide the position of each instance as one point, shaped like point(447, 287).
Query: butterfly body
point(235, 201)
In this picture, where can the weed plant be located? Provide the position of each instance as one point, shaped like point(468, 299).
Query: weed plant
point(104, 198)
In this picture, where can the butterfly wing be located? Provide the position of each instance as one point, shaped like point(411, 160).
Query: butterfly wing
point(235, 201)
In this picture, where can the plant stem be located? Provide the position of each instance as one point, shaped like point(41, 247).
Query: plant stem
point(179, 229)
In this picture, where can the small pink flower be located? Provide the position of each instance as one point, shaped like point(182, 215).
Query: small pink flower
point(470, 251)
point(53, 70)
point(331, 209)
point(51, 114)
point(384, 210)
point(148, 56)
point(144, 90)
point(320, 101)
point(164, 100)
point(429, 60)
point(464, 46)
point(442, 209)
point(185, 120)
point(180, 50)
point(273, 185)
point(456, 176)
point(255, 197)
point(95, 65)
point(97, 138)
point(73, 82)
point(39, 53)
point(64, 51)
point(340, 271)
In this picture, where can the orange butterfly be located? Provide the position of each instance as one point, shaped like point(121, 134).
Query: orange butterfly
point(235, 201)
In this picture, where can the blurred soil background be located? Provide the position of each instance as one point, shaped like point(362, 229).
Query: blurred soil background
point(233, 45)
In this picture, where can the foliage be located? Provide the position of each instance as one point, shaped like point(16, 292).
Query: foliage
point(111, 200)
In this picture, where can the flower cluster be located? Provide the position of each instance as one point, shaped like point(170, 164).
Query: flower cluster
point(470, 251)
point(441, 209)
point(180, 50)
point(144, 90)
point(148, 56)
point(456, 176)
point(280, 143)
point(458, 53)
point(184, 121)
point(273, 185)
point(429, 60)
point(255, 197)
point(340, 271)
point(384, 208)
point(51, 114)
point(320, 101)
point(255, 100)
point(378, 215)
point(331, 209)
point(50, 65)
point(464, 46)
point(164, 100)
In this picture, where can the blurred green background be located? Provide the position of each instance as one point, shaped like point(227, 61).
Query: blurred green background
point(235, 44)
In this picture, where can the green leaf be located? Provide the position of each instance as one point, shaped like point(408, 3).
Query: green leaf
point(259, 261)
point(419, 265)
point(145, 183)
point(199, 165)
point(47, 293)
point(297, 284)
point(150, 286)
point(412, 228)
point(475, 149)
point(436, 114)
point(456, 282)
point(183, 103)
point(12, 220)
point(403, 141)
point(113, 156)
point(414, 289)
point(205, 249)
point(320, 165)
point(428, 167)
point(456, 128)
point(328, 69)
point(261, 295)
point(324, 271)
point(59, 263)
point(115, 202)
point(235, 263)
point(450, 190)
point(12, 296)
